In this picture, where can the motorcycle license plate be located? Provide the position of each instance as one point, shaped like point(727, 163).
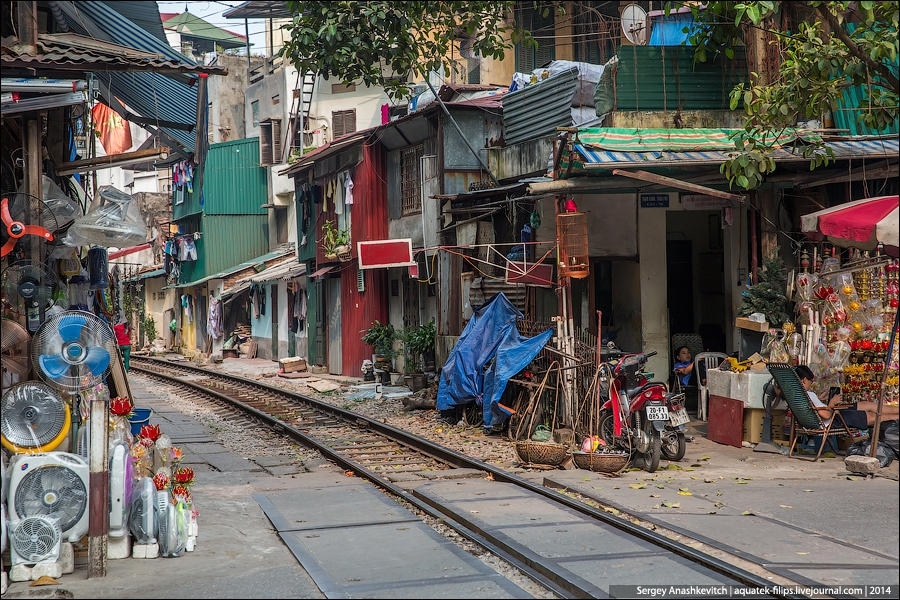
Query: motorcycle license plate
point(679, 417)
point(658, 413)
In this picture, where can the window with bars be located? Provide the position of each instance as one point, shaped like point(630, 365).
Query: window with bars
point(343, 122)
point(410, 180)
point(270, 142)
point(529, 58)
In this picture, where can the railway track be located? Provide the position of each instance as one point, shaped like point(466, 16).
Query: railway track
point(383, 454)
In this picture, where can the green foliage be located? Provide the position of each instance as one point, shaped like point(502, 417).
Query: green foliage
point(332, 237)
point(385, 43)
point(768, 296)
point(149, 326)
point(814, 70)
point(418, 340)
point(381, 337)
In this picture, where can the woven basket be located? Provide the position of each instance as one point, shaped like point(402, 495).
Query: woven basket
point(601, 462)
point(542, 453)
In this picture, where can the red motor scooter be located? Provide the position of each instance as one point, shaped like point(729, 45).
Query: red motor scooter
point(635, 411)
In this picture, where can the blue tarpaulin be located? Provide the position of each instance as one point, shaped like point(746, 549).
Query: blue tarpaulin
point(489, 352)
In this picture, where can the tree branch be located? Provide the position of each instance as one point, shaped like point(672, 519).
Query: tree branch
point(855, 50)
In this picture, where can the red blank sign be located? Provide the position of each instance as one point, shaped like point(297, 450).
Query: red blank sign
point(385, 253)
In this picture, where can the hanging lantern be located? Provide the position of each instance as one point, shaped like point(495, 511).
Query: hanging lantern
point(98, 268)
point(571, 232)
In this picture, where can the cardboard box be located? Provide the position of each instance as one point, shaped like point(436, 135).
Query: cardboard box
point(745, 323)
point(292, 363)
point(753, 422)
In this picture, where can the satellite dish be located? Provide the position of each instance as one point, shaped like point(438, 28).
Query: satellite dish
point(634, 24)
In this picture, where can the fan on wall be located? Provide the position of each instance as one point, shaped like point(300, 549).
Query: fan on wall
point(28, 289)
point(18, 225)
point(34, 418)
point(72, 350)
point(53, 483)
point(15, 362)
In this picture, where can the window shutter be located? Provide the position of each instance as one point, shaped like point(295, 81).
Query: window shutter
point(277, 145)
point(265, 143)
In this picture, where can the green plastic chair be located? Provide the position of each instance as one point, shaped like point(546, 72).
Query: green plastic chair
point(805, 419)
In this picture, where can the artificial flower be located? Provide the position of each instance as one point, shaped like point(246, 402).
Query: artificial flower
point(121, 406)
point(183, 475)
point(160, 480)
point(150, 432)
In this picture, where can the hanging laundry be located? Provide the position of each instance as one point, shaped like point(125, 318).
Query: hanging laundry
point(187, 304)
point(339, 195)
point(348, 187)
point(189, 249)
point(214, 325)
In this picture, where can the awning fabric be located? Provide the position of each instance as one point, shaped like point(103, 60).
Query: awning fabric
point(861, 224)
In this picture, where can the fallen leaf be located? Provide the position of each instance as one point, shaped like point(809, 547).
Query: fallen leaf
point(349, 473)
point(803, 553)
point(747, 513)
point(672, 504)
point(785, 506)
point(708, 480)
point(704, 457)
point(694, 477)
point(637, 486)
point(684, 493)
point(654, 495)
point(44, 580)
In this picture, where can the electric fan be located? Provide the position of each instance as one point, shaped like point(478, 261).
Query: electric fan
point(120, 483)
point(34, 418)
point(54, 483)
point(142, 518)
point(15, 363)
point(13, 213)
point(170, 536)
point(28, 289)
point(73, 350)
point(34, 539)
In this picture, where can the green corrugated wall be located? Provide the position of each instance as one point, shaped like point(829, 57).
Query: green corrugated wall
point(665, 78)
point(234, 182)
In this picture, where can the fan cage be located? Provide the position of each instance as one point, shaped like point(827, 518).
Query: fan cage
point(34, 418)
point(69, 349)
point(52, 490)
point(35, 539)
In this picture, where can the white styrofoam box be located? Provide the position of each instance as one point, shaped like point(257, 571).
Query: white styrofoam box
point(145, 551)
point(118, 548)
point(718, 383)
point(67, 557)
point(50, 569)
point(748, 386)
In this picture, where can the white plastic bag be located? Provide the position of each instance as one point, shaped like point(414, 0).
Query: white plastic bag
point(116, 222)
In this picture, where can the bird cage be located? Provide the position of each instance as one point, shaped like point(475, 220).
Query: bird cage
point(571, 232)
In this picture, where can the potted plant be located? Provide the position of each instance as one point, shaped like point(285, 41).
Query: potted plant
point(381, 337)
point(335, 242)
point(418, 343)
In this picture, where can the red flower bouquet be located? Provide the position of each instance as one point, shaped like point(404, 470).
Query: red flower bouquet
point(150, 432)
point(121, 406)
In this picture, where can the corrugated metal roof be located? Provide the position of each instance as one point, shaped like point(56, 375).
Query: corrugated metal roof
point(71, 51)
point(540, 108)
point(150, 94)
point(886, 147)
point(280, 252)
point(258, 10)
point(187, 24)
point(283, 271)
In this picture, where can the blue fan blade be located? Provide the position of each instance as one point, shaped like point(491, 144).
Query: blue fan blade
point(70, 327)
point(53, 365)
point(97, 359)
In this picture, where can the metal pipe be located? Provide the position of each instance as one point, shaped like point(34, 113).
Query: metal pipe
point(38, 84)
